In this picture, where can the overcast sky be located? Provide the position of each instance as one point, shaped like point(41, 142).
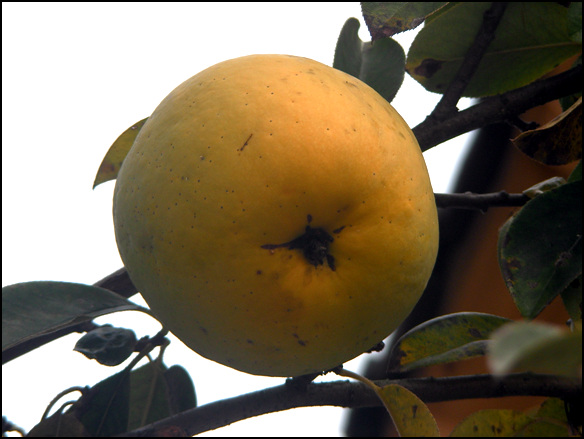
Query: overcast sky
point(74, 77)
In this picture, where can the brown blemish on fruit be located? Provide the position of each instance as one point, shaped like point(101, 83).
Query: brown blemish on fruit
point(300, 342)
point(245, 143)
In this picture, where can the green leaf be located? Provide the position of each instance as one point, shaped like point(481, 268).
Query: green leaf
point(558, 142)
point(157, 392)
point(181, 390)
point(408, 412)
point(110, 166)
point(535, 347)
point(575, 21)
point(383, 67)
point(540, 248)
point(379, 64)
point(34, 309)
point(108, 345)
point(148, 396)
point(448, 338)
point(550, 420)
point(104, 409)
point(491, 423)
point(59, 425)
point(385, 19)
point(530, 41)
point(348, 51)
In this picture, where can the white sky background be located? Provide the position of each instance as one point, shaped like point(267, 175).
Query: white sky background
point(74, 77)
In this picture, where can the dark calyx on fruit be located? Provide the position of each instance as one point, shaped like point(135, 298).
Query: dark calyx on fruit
point(314, 244)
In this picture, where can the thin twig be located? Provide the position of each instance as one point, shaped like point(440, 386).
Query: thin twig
point(482, 202)
point(356, 394)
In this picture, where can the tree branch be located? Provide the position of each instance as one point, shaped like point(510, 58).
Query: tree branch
point(485, 35)
point(119, 282)
point(482, 202)
point(499, 108)
point(355, 394)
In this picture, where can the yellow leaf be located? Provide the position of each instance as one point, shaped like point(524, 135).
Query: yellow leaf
point(491, 423)
point(558, 142)
point(409, 414)
point(108, 170)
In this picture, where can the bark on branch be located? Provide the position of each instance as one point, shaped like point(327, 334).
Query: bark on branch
point(482, 202)
point(498, 108)
point(355, 394)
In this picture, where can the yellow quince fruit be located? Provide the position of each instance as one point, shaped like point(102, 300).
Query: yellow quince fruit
point(277, 215)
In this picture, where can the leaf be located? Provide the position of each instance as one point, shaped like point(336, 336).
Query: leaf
point(550, 420)
point(108, 345)
point(558, 142)
point(385, 19)
point(132, 399)
point(545, 428)
point(544, 186)
point(444, 339)
point(34, 309)
point(575, 21)
point(148, 396)
point(531, 40)
point(59, 425)
point(540, 248)
point(491, 423)
point(383, 67)
point(157, 392)
point(181, 390)
point(535, 347)
point(408, 412)
point(348, 50)
point(104, 409)
point(110, 166)
point(379, 64)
